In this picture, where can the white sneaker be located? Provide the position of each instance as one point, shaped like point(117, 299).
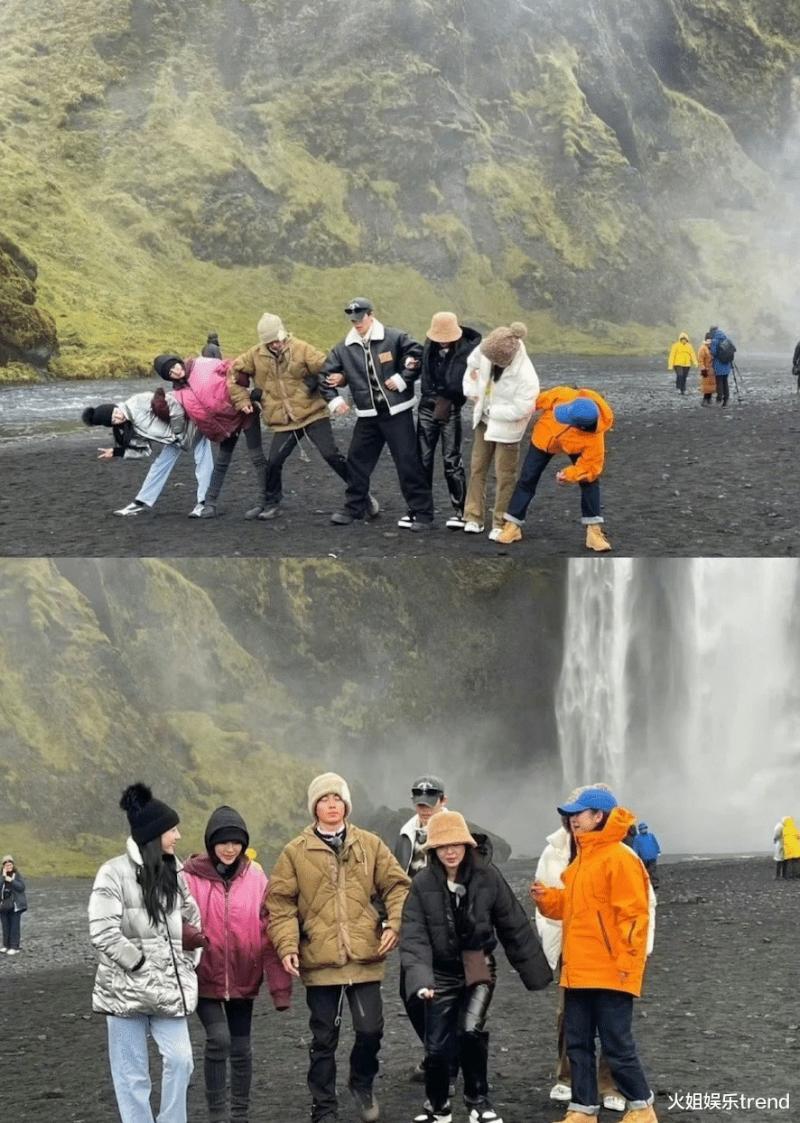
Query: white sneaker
point(134, 508)
point(406, 522)
point(494, 533)
point(13, 951)
point(455, 522)
point(197, 511)
point(3, 950)
point(614, 1103)
point(473, 528)
point(561, 1092)
point(484, 1114)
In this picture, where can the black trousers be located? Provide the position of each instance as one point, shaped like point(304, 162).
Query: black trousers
point(431, 432)
point(681, 374)
point(325, 1006)
point(227, 1026)
point(369, 437)
point(722, 388)
point(252, 435)
point(454, 1022)
point(12, 922)
point(320, 433)
point(780, 869)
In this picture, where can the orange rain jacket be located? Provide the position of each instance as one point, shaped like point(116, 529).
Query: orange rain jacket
point(604, 909)
point(553, 436)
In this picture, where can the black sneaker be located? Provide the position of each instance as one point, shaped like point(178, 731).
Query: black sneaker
point(483, 1113)
point(428, 1115)
point(411, 522)
point(407, 522)
point(366, 1103)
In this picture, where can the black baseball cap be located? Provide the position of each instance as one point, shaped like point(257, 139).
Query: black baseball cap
point(428, 790)
point(358, 307)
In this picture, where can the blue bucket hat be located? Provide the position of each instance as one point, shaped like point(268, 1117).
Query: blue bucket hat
point(580, 412)
point(593, 799)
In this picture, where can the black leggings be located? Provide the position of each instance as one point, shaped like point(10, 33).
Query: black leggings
point(252, 435)
point(456, 1016)
point(227, 1026)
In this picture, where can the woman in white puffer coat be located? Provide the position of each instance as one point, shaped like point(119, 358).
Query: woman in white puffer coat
point(502, 384)
point(554, 859)
point(140, 916)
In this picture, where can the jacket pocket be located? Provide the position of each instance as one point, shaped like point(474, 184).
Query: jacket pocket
point(604, 933)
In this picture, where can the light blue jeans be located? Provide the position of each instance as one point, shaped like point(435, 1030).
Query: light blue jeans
point(130, 1069)
point(164, 463)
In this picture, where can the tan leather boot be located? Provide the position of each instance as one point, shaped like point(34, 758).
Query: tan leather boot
point(596, 539)
point(509, 533)
point(640, 1115)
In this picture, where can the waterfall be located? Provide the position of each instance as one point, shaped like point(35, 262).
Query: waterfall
point(680, 687)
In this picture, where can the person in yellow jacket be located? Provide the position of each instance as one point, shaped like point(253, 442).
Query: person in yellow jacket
point(573, 422)
point(791, 847)
point(604, 910)
point(681, 359)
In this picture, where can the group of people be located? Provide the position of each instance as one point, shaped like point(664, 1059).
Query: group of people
point(714, 360)
point(786, 848)
point(173, 938)
point(294, 389)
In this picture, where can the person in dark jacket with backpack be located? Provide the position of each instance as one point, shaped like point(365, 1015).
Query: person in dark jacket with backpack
point(458, 908)
point(444, 360)
point(379, 365)
point(722, 350)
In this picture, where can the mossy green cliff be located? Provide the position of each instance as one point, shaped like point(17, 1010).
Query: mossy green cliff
point(605, 171)
point(237, 680)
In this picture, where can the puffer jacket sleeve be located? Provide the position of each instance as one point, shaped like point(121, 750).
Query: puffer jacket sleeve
point(551, 903)
point(692, 355)
point(392, 885)
point(241, 370)
point(471, 387)
point(105, 921)
point(334, 363)
point(282, 896)
point(631, 904)
point(521, 402)
point(416, 952)
point(550, 931)
point(313, 359)
point(190, 913)
point(589, 465)
point(408, 348)
point(518, 937)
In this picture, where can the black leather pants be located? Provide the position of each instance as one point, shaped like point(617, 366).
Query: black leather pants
point(457, 1012)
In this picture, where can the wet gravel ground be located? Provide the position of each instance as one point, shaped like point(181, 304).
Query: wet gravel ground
point(719, 1015)
point(680, 481)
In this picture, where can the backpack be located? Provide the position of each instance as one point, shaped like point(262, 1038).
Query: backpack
point(726, 349)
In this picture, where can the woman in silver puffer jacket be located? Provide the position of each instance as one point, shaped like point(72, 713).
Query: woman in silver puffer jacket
point(140, 912)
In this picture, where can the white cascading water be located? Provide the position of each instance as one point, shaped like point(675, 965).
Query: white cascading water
point(708, 749)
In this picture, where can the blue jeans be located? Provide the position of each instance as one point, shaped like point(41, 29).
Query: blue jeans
point(11, 921)
point(607, 1014)
point(161, 467)
point(535, 463)
point(130, 1071)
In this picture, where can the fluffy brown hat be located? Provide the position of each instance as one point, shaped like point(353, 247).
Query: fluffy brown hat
point(444, 328)
point(501, 345)
point(448, 828)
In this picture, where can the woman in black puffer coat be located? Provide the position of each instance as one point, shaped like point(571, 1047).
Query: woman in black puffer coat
point(459, 906)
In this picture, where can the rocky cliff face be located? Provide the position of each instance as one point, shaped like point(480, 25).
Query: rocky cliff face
point(27, 333)
point(604, 170)
point(236, 681)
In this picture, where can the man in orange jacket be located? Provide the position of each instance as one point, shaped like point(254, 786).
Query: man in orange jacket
point(573, 422)
point(604, 908)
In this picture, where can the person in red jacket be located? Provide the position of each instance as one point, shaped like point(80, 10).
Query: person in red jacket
point(573, 422)
point(605, 913)
point(230, 891)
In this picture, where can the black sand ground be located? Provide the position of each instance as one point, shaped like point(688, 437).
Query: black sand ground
point(719, 1015)
point(681, 481)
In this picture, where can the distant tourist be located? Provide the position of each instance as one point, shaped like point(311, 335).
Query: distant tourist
point(604, 904)
point(646, 846)
point(13, 903)
point(140, 912)
point(722, 353)
point(459, 908)
point(573, 422)
point(230, 891)
point(778, 851)
point(502, 384)
point(681, 359)
point(444, 359)
point(379, 366)
point(708, 381)
point(791, 847)
point(796, 365)
point(212, 349)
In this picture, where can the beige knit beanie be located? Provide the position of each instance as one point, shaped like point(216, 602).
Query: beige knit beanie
point(329, 783)
point(501, 345)
point(270, 328)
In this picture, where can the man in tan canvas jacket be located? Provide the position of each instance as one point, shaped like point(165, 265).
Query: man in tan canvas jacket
point(285, 370)
point(328, 933)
